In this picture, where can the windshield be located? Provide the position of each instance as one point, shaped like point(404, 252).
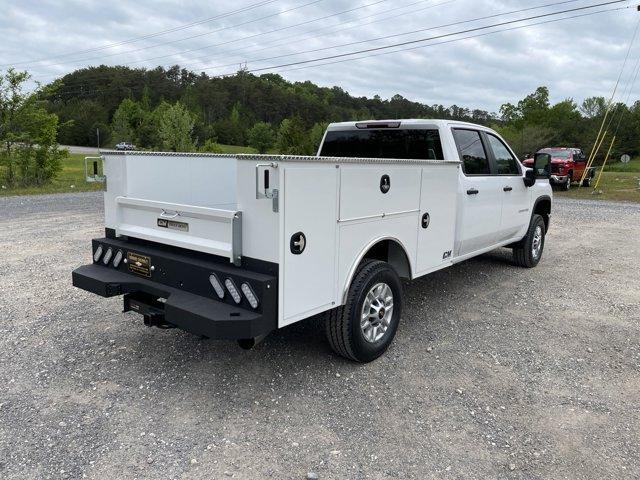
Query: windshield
point(557, 153)
point(387, 143)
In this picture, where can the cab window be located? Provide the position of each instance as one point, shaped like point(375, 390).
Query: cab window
point(416, 144)
point(506, 164)
point(472, 153)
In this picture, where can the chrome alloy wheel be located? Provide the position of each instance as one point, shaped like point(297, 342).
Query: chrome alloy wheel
point(377, 312)
point(536, 245)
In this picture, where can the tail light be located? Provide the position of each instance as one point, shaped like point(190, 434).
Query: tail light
point(249, 295)
point(107, 256)
point(217, 286)
point(97, 254)
point(117, 259)
point(231, 287)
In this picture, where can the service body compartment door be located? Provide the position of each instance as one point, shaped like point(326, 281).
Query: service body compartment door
point(309, 213)
point(436, 232)
point(372, 190)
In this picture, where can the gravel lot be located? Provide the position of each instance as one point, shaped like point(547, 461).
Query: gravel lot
point(496, 371)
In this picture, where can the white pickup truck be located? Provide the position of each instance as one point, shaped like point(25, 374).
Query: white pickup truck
point(236, 246)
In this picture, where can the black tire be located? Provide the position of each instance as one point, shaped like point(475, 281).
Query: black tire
point(587, 181)
point(523, 252)
point(566, 186)
point(344, 333)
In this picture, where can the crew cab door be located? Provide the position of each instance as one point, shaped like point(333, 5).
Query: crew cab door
point(481, 194)
point(515, 196)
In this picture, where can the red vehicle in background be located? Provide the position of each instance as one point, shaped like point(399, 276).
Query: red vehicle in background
point(567, 166)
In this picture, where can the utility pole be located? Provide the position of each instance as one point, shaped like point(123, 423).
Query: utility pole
point(98, 134)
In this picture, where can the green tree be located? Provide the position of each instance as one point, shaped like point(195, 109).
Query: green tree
point(594, 107)
point(261, 137)
point(211, 146)
point(314, 138)
point(291, 139)
point(527, 140)
point(30, 154)
point(127, 121)
point(176, 128)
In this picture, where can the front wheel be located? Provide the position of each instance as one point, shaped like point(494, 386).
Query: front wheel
point(529, 250)
point(365, 326)
point(566, 186)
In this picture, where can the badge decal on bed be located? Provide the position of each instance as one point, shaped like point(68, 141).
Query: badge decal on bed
point(173, 225)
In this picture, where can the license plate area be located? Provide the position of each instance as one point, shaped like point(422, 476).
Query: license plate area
point(139, 264)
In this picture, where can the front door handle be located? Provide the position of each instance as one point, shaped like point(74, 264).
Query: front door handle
point(507, 189)
point(472, 191)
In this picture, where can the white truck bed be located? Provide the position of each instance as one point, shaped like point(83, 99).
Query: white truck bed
point(210, 204)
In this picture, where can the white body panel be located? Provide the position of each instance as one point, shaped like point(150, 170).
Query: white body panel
point(336, 202)
point(479, 214)
point(309, 205)
point(440, 201)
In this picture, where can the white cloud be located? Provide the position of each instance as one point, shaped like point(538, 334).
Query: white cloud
point(576, 58)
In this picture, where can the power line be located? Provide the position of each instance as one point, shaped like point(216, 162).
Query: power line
point(603, 132)
point(150, 35)
point(331, 30)
point(385, 37)
point(313, 2)
point(414, 47)
point(436, 37)
point(462, 22)
point(468, 37)
point(286, 28)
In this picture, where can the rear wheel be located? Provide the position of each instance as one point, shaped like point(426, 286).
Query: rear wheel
point(528, 252)
point(365, 326)
point(587, 181)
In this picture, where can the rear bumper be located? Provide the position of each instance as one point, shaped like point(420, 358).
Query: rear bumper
point(192, 303)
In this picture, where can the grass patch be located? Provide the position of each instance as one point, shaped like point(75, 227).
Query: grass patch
point(632, 166)
point(69, 179)
point(616, 186)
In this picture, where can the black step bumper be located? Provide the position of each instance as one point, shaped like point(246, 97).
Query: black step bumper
point(199, 311)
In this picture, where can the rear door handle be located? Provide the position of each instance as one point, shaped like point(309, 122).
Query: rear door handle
point(472, 191)
point(507, 189)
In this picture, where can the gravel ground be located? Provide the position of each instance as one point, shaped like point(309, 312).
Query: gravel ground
point(496, 371)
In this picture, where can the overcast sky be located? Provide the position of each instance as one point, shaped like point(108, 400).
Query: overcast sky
point(576, 58)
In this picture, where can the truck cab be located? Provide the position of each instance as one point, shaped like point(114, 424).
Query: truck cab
point(235, 246)
point(567, 166)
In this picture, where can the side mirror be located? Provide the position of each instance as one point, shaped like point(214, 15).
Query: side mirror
point(529, 177)
point(541, 169)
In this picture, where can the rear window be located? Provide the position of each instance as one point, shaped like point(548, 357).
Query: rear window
point(387, 143)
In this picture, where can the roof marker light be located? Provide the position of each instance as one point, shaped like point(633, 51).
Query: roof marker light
point(365, 125)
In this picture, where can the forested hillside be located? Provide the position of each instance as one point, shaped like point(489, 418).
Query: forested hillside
point(222, 109)
point(176, 109)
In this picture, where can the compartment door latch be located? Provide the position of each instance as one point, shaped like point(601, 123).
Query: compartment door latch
point(264, 188)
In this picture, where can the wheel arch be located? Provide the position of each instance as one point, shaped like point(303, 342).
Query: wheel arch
point(387, 249)
point(542, 207)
